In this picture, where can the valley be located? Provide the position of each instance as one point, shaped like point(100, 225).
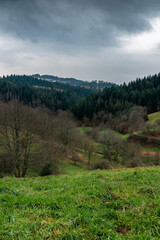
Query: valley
point(63, 176)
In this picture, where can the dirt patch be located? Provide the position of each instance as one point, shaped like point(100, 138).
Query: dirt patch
point(145, 153)
point(123, 229)
point(80, 155)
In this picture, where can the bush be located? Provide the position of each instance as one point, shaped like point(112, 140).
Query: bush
point(6, 164)
point(134, 162)
point(145, 117)
point(49, 158)
point(1, 175)
point(158, 122)
point(75, 158)
point(48, 169)
point(100, 164)
point(156, 160)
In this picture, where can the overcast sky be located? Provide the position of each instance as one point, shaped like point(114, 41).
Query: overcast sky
point(110, 40)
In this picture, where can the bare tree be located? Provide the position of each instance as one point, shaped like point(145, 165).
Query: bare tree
point(17, 124)
point(95, 133)
point(136, 118)
point(62, 126)
point(89, 147)
point(110, 146)
point(74, 157)
point(50, 155)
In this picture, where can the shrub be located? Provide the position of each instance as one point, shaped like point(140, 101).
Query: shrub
point(95, 133)
point(75, 158)
point(134, 162)
point(6, 164)
point(145, 117)
point(1, 175)
point(48, 169)
point(157, 159)
point(49, 158)
point(158, 122)
point(100, 164)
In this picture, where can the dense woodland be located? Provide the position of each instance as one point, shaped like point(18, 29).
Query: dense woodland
point(36, 92)
point(142, 92)
point(84, 102)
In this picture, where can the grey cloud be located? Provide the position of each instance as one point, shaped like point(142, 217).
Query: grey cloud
point(75, 38)
point(129, 15)
point(85, 22)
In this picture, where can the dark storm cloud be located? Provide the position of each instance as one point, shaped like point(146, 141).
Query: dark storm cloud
point(86, 39)
point(82, 22)
point(128, 15)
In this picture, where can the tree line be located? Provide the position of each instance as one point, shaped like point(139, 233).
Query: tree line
point(36, 92)
point(142, 92)
point(94, 85)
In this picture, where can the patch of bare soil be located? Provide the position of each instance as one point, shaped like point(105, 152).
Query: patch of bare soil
point(145, 153)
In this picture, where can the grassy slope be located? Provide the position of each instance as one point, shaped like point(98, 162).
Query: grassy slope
point(123, 136)
point(121, 204)
point(99, 145)
point(153, 117)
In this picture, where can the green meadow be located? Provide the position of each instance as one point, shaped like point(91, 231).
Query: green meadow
point(154, 117)
point(80, 204)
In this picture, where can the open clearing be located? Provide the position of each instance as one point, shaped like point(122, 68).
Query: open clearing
point(121, 204)
point(154, 117)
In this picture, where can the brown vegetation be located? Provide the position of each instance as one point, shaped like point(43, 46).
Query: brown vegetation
point(34, 138)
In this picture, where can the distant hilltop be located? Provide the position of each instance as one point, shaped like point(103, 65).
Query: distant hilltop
point(96, 84)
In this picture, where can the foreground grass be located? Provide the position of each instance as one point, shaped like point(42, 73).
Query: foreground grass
point(122, 204)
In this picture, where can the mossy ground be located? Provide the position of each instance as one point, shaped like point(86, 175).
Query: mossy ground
point(121, 204)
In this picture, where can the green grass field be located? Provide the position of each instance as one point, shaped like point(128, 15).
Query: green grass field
point(122, 204)
point(154, 117)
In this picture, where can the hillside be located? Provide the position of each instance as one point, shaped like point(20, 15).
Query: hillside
point(97, 85)
point(121, 204)
point(154, 117)
point(36, 92)
point(142, 92)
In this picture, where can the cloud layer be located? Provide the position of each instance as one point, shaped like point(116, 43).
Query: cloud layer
point(87, 39)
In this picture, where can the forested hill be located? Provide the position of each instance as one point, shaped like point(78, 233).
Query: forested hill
point(32, 81)
point(96, 84)
point(36, 92)
point(143, 92)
